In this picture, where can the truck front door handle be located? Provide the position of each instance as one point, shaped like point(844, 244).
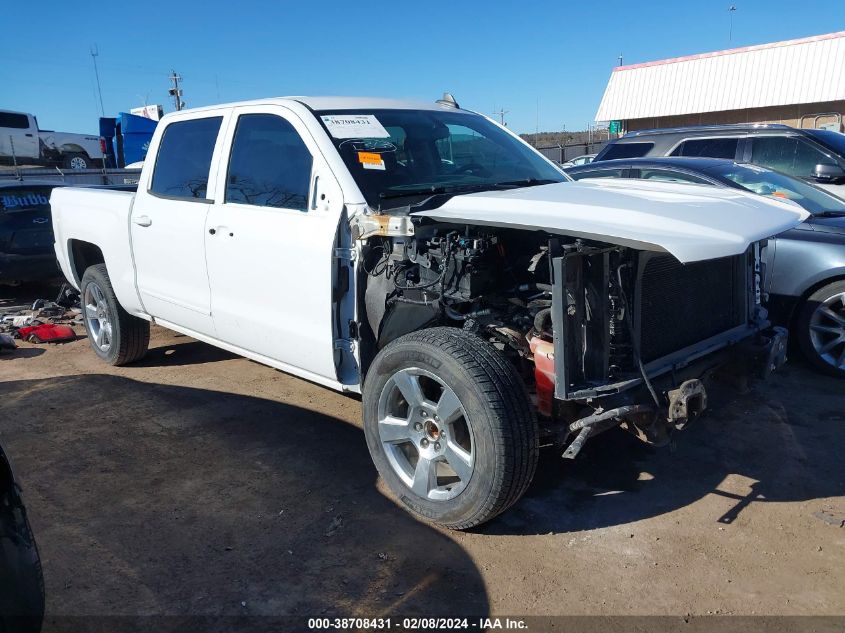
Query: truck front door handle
point(142, 220)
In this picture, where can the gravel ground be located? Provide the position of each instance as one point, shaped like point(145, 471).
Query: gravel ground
point(198, 482)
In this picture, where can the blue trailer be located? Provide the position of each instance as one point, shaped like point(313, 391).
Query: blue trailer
point(126, 138)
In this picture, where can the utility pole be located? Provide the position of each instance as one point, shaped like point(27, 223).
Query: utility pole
point(620, 59)
point(176, 91)
point(501, 114)
point(731, 10)
point(94, 53)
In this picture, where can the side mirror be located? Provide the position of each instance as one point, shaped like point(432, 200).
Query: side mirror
point(827, 172)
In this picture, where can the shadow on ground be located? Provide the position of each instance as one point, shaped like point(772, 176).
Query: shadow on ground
point(785, 439)
point(153, 499)
point(21, 352)
point(184, 353)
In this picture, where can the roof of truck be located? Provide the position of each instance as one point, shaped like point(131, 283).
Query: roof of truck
point(370, 103)
point(338, 103)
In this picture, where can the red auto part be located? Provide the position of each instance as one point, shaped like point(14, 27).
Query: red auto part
point(47, 333)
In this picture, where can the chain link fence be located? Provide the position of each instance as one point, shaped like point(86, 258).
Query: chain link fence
point(563, 153)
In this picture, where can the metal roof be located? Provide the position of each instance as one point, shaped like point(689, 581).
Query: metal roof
point(809, 70)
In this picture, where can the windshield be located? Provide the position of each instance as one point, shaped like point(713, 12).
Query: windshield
point(772, 183)
point(396, 155)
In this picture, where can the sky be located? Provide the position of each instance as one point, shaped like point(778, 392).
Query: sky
point(545, 63)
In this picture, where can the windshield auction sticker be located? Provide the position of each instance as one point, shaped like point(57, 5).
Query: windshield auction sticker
point(371, 160)
point(354, 126)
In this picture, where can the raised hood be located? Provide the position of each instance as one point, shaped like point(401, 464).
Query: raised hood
point(692, 222)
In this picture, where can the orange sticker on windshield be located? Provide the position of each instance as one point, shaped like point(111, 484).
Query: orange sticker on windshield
point(370, 160)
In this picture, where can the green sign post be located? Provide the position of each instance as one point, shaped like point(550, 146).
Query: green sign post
point(615, 127)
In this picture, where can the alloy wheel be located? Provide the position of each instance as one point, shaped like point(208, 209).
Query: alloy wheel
point(827, 330)
point(426, 434)
point(98, 316)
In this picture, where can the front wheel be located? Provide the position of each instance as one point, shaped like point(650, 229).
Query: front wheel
point(449, 426)
point(115, 335)
point(821, 328)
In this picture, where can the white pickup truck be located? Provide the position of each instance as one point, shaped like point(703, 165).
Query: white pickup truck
point(426, 257)
point(21, 142)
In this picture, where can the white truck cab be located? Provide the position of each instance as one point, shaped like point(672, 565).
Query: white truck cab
point(18, 136)
point(428, 258)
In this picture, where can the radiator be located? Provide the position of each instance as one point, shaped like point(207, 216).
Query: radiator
point(683, 304)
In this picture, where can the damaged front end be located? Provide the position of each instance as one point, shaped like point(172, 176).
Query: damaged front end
point(605, 335)
point(636, 337)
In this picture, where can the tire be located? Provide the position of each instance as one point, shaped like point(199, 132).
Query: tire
point(22, 599)
point(115, 335)
point(77, 160)
point(482, 423)
point(820, 329)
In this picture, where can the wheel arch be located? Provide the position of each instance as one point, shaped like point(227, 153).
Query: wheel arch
point(838, 275)
point(73, 148)
point(397, 320)
point(83, 255)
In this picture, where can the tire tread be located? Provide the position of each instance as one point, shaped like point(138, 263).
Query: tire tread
point(134, 332)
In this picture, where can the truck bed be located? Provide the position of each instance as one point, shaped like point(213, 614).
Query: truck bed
point(99, 218)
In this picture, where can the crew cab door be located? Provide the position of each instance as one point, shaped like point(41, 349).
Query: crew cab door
point(18, 136)
point(270, 238)
point(167, 222)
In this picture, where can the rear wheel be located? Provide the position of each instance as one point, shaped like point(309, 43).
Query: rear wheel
point(821, 328)
point(115, 335)
point(76, 160)
point(449, 426)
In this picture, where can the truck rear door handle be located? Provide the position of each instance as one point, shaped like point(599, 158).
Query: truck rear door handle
point(142, 220)
point(30, 135)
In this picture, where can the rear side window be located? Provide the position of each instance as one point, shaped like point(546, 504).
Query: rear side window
point(597, 173)
point(270, 165)
point(708, 147)
point(14, 120)
point(627, 150)
point(184, 158)
point(12, 200)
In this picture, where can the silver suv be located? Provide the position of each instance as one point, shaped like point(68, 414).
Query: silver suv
point(817, 156)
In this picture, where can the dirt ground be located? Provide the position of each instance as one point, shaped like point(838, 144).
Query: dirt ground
point(198, 482)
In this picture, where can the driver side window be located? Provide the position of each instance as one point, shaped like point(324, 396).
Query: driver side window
point(790, 155)
point(270, 165)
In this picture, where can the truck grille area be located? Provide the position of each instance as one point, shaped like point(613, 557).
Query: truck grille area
point(684, 304)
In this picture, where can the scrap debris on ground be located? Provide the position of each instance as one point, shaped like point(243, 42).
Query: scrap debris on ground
point(43, 321)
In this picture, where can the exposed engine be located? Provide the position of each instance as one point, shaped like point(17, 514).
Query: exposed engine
point(493, 283)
